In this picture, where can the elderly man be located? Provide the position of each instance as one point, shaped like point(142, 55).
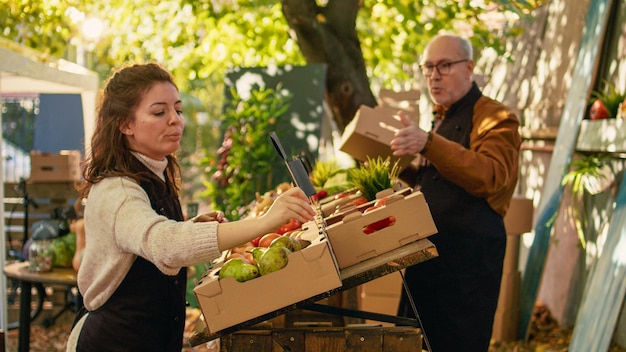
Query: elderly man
point(468, 172)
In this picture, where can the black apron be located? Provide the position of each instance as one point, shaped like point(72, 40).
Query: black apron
point(456, 293)
point(147, 311)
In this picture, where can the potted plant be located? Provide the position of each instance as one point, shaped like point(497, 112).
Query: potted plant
point(374, 176)
point(605, 103)
point(605, 128)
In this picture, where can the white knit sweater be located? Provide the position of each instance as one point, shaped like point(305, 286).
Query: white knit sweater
point(120, 225)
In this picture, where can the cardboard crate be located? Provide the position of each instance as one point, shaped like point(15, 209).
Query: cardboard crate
point(351, 244)
point(519, 218)
point(369, 134)
point(388, 285)
point(331, 205)
point(62, 167)
point(357, 338)
point(347, 208)
point(225, 303)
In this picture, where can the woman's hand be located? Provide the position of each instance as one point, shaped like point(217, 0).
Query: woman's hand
point(292, 204)
point(211, 216)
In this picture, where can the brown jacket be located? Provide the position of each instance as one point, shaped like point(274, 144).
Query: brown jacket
point(489, 168)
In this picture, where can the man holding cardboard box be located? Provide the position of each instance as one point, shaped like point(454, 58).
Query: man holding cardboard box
point(468, 172)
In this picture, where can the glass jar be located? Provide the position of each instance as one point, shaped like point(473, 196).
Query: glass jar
point(40, 255)
point(40, 252)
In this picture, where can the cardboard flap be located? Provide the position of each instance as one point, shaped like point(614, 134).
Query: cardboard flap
point(353, 216)
point(312, 253)
point(393, 199)
point(384, 193)
point(209, 286)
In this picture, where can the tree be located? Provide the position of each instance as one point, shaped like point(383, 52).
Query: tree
point(394, 33)
point(366, 44)
point(363, 42)
point(328, 35)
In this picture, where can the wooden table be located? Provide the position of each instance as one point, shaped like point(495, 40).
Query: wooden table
point(19, 271)
point(355, 275)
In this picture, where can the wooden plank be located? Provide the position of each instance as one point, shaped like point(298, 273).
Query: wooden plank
point(573, 113)
point(364, 340)
point(356, 338)
point(288, 340)
point(402, 339)
point(330, 339)
point(599, 310)
point(248, 341)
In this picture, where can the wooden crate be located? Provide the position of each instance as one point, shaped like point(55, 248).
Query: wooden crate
point(47, 196)
point(327, 339)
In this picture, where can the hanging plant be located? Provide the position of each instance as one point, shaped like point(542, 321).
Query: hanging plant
point(589, 175)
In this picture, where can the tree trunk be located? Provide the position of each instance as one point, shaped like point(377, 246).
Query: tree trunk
point(328, 35)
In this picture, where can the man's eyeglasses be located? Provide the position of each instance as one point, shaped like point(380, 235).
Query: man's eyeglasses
point(443, 68)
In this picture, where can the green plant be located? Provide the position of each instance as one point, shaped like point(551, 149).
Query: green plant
point(244, 163)
point(329, 176)
point(374, 176)
point(610, 97)
point(584, 177)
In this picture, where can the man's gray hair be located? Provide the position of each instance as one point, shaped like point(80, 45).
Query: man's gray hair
point(466, 51)
point(466, 48)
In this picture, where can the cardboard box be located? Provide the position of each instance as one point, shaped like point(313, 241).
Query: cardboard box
point(352, 244)
point(379, 304)
point(62, 167)
point(348, 208)
point(505, 324)
point(388, 285)
point(369, 134)
point(225, 303)
point(382, 296)
point(519, 218)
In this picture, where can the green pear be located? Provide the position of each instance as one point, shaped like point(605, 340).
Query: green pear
point(239, 270)
point(257, 252)
point(290, 243)
point(273, 259)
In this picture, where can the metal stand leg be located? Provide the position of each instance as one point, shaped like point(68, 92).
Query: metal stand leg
point(24, 331)
point(417, 316)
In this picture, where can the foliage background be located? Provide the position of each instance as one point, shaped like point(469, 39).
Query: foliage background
point(199, 40)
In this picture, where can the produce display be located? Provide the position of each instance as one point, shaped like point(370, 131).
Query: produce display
point(359, 215)
point(352, 189)
point(263, 255)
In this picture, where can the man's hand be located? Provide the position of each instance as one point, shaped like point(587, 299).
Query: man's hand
point(409, 140)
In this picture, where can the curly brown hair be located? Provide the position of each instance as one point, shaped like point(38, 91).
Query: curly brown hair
point(110, 154)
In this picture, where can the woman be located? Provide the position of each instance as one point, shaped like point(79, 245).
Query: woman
point(132, 276)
